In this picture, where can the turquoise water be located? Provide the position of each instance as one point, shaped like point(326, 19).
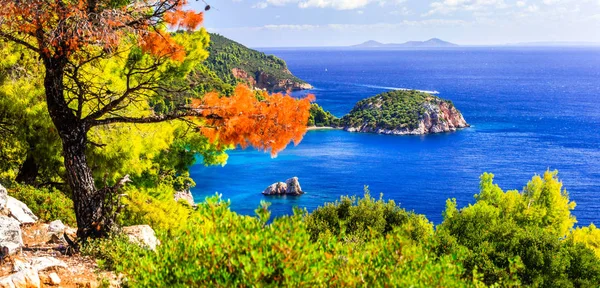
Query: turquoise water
point(531, 109)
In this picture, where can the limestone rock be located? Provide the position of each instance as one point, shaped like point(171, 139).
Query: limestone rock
point(185, 195)
point(56, 227)
point(3, 200)
point(293, 186)
point(10, 234)
point(20, 211)
point(54, 279)
point(43, 263)
point(142, 235)
point(289, 187)
point(278, 188)
point(26, 278)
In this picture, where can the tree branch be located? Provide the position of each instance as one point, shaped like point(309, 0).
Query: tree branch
point(177, 115)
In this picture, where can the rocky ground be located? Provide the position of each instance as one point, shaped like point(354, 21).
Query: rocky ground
point(36, 254)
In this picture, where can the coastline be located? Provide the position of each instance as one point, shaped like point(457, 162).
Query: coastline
point(313, 128)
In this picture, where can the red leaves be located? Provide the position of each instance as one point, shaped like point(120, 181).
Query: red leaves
point(189, 20)
point(63, 28)
point(244, 120)
point(161, 44)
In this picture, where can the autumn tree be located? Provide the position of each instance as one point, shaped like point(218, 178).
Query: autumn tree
point(80, 42)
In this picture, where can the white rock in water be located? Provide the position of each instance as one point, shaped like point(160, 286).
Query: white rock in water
point(10, 234)
point(142, 235)
point(290, 187)
point(20, 211)
point(278, 188)
point(293, 186)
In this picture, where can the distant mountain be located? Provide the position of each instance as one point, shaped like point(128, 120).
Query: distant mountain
point(434, 42)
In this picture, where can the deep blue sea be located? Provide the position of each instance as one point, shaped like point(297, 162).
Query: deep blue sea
point(531, 109)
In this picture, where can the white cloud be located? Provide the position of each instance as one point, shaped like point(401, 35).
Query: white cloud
point(260, 5)
point(335, 4)
point(352, 27)
point(533, 8)
point(450, 6)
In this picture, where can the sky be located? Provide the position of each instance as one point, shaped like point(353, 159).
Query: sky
point(314, 23)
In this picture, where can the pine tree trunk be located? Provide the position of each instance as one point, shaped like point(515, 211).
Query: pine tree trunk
point(87, 199)
point(29, 171)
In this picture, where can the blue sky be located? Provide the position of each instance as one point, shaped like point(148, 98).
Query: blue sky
point(299, 23)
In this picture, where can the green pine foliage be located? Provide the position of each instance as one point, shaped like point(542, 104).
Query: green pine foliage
point(321, 118)
point(48, 204)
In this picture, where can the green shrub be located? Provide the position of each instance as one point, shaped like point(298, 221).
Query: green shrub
point(517, 238)
point(47, 204)
point(219, 248)
point(363, 219)
point(156, 207)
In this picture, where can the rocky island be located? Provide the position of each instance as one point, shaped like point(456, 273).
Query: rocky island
point(235, 63)
point(396, 113)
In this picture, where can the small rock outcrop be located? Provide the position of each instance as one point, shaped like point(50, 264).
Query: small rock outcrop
point(142, 235)
point(185, 195)
point(10, 234)
point(289, 187)
point(20, 211)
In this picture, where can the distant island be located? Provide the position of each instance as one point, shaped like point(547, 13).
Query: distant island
point(395, 113)
point(235, 63)
point(431, 43)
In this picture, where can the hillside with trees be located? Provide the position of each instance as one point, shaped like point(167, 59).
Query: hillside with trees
point(235, 63)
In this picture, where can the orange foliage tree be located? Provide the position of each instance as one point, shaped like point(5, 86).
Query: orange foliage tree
point(70, 36)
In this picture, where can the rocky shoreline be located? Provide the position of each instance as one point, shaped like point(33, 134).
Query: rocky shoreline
point(438, 117)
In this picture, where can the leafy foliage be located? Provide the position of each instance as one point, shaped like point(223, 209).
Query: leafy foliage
point(390, 110)
point(47, 204)
point(515, 237)
point(218, 247)
point(245, 120)
point(365, 219)
point(321, 118)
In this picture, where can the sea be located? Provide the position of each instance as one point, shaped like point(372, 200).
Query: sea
point(531, 109)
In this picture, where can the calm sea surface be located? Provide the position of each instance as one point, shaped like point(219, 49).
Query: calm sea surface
point(531, 109)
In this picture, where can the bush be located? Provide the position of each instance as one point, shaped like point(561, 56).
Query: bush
point(156, 207)
point(218, 247)
point(363, 219)
point(517, 238)
point(47, 204)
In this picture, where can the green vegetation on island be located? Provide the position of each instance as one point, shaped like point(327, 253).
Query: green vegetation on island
point(395, 112)
point(235, 63)
point(389, 110)
point(321, 118)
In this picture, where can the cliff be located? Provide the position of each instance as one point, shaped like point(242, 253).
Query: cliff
point(235, 63)
point(403, 113)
